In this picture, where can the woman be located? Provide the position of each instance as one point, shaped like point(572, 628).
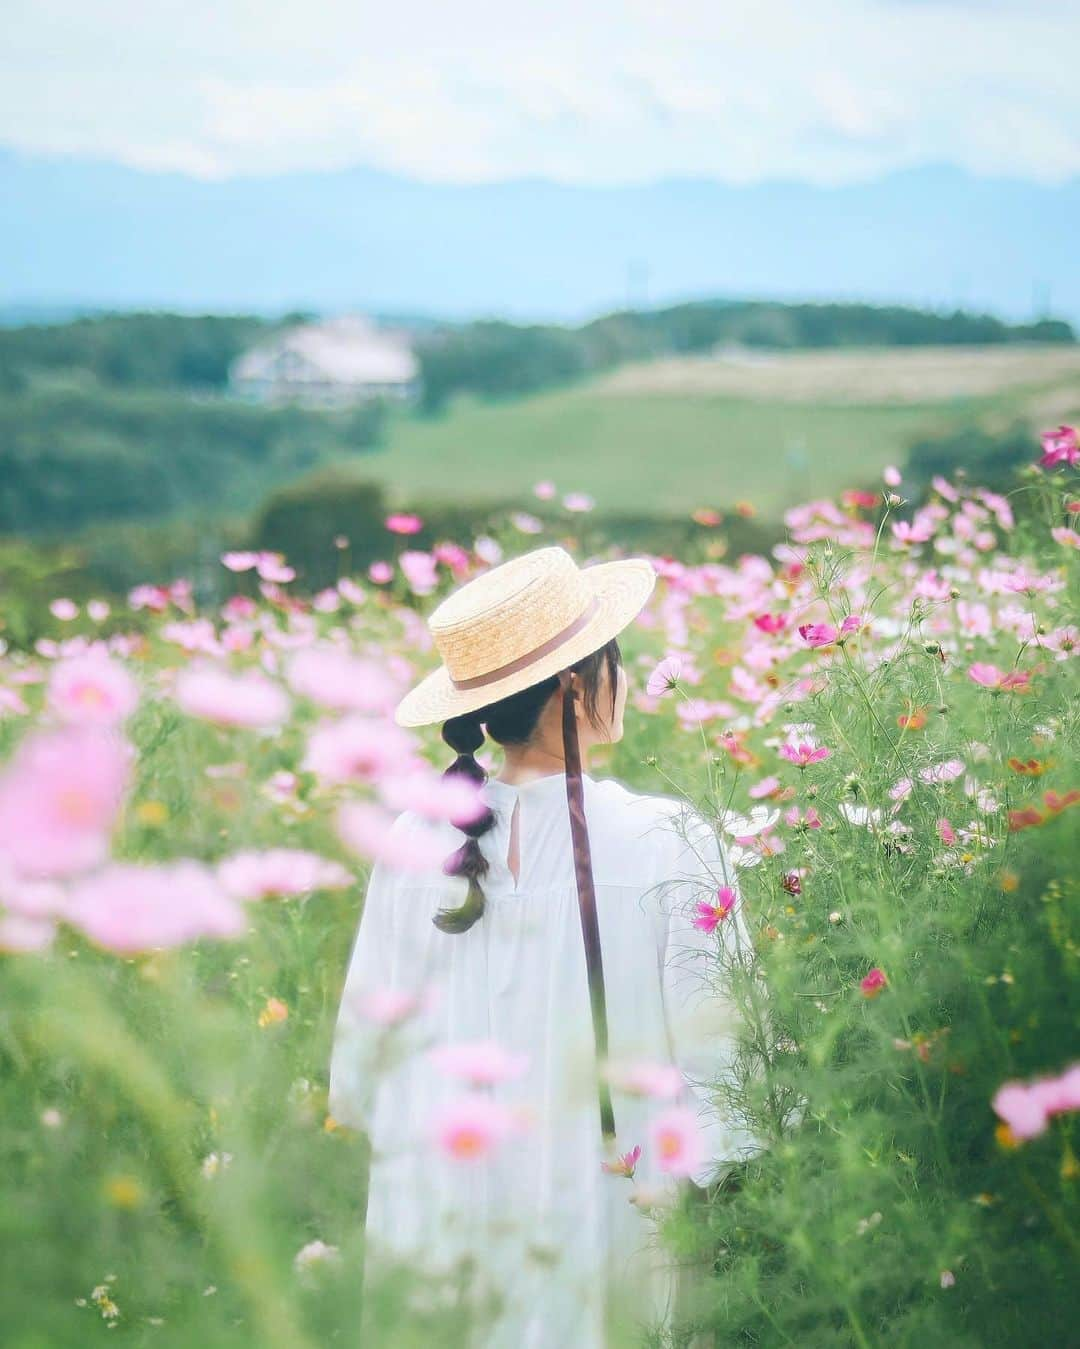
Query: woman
point(558, 938)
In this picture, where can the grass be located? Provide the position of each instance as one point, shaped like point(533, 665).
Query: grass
point(650, 452)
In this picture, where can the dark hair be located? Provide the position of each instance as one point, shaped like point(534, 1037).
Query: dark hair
point(510, 721)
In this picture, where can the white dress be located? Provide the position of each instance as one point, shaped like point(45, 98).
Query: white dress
point(552, 1233)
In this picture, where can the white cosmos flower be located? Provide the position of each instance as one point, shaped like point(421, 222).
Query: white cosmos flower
point(865, 815)
point(759, 819)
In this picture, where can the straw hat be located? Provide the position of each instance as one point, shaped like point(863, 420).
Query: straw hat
point(519, 623)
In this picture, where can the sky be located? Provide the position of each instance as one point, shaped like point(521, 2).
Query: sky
point(577, 91)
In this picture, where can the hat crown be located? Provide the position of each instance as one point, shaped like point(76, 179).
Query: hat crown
point(506, 612)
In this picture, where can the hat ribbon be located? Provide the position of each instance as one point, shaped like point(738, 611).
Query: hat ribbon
point(530, 657)
point(590, 926)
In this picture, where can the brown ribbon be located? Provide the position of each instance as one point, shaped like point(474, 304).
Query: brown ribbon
point(530, 657)
point(590, 926)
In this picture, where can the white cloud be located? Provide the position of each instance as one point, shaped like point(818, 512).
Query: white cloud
point(595, 92)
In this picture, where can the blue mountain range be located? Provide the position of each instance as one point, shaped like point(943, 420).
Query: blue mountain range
point(78, 232)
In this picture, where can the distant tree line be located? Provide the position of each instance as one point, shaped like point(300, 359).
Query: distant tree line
point(487, 358)
point(493, 359)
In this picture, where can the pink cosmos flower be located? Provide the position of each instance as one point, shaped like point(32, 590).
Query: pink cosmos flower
point(797, 820)
point(578, 501)
point(59, 798)
point(1068, 538)
point(479, 1063)
point(404, 524)
point(918, 531)
point(469, 1129)
point(891, 475)
point(871, 984)
point(64, 609)
point(771, 623)
point(990, 677)
point(644, 1077)
point(339, 680)
point(676, 1141)
point(244, 700)
point(708, 915)
point(625, 1164)
point(946, 832)
point(388, 1007)
point(544, 490)
point(367, 828)
point(804, 755)
point(358, 749)
point(420, 569)
point(1028, 1107)
point(380, 573)
point(818, 634)
point(946, 771)
point(279, 872)
point(664, 677)
point(128, 908)
point(455, 798)
point(1061, 446)
point(92, 689)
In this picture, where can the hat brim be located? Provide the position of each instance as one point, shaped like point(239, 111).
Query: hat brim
point(622, 589)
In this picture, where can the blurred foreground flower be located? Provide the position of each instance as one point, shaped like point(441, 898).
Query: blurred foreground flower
point(479, 1063)
point(280, 872)
point(242, 700)
point(314, 1254)
point(130, 909)
point(1027, 1107)
point(676, 1141)
point(644, 1077)
point(472, 1127)
point(59, 799)
point(274, 1012)
point(871, 984)
point(93, 690)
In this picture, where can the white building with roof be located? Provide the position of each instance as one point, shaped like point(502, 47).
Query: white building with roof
point(332, 363)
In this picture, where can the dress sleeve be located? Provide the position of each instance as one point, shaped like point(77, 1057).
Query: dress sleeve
point(703, 1019)
point(352, 1080)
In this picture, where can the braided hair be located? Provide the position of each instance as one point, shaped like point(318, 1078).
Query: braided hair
point(510, 721)
point(465, 735)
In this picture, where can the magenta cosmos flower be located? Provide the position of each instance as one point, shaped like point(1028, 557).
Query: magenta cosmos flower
point(1061, 446)
point(624, 1165)
point(403, 524)
point(130, 909)
point(92, 689)
point(818, 634)
point(708, 915)
point(872, 983)
point(59, 799)
point(804, 755)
